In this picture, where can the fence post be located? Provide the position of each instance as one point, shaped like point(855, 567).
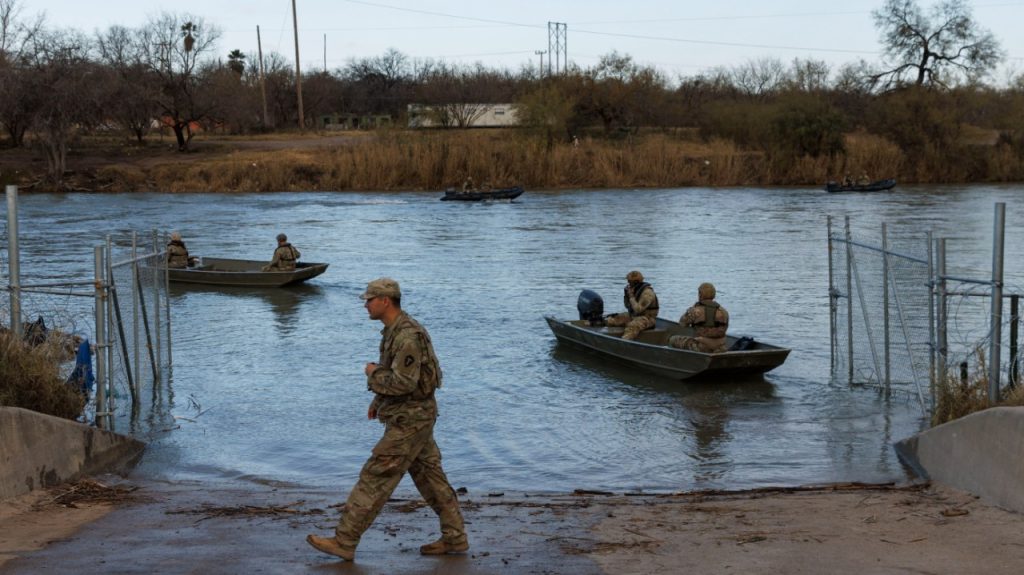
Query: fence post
point(849, 303)
point(833, 300)
point(997, 303)
point(135, 306)
point(156, 310)
point(885, 307)
point(941, 312)
point(14, 260)
point(101, 362)
point(1014, 320)
point(932, 376)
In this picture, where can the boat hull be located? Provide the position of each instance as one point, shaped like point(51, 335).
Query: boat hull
point(480, 196)
point(231, 272)
point(650, 351)
point(879, 186)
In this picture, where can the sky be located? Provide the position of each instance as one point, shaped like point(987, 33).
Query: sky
point(680, 38)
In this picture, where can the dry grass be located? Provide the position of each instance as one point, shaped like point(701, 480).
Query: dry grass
point(30, 377)
point(958, 397)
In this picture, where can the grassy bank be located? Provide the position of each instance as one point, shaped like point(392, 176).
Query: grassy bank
point(434, 160)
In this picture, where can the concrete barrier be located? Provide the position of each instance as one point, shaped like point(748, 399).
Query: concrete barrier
point(982, 453)
point(38, 451)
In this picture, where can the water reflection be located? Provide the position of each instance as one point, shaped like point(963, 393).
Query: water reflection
point(706, 406)
point(285, 302)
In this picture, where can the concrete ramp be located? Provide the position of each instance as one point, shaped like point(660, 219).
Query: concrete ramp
point(982, 453)
point(38, 451)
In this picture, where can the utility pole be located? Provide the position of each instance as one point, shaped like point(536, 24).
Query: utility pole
point(263, 82)
point(558, 42)
point(298, 73)
point(540, 72)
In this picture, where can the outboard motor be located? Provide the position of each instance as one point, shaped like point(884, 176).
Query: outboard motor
point(591, 307)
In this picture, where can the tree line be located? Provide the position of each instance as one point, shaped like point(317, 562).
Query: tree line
point(928, 96)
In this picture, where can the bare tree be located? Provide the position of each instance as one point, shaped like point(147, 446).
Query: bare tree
point(17, 100)
point(761, 78)
point(175, 48)
point(933, 49)
point(62, 68)
point(133, 92)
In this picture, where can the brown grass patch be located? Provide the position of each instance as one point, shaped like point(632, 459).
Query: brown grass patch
point(30, 377)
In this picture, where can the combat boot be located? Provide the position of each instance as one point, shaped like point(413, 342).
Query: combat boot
point(332, 546)
point(440, 547)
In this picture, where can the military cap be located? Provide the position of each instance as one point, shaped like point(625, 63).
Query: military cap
point(282, 238)
point(381, 287)
point(634, 276)
point(706, 291)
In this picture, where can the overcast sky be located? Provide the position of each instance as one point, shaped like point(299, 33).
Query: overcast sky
point(683, 37)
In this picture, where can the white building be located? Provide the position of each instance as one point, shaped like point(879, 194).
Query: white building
point(462, 116)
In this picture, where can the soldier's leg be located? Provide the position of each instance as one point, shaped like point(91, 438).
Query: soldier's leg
point(684, 342)
point(391, 458)
point(433, 485)
point(637, 325)
point(618, 320)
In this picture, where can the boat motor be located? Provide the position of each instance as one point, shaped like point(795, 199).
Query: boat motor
point(591, 307)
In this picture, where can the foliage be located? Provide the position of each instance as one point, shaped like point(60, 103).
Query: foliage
point(965, 393)
point(30, 378)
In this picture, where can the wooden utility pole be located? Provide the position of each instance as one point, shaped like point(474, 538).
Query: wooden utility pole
point(263, 82)
point(298, 73)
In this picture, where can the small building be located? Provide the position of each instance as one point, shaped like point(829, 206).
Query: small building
point(350, 121)
point(462, 115)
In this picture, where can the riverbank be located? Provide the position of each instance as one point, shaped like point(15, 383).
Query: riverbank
point(387, 160)
point(188, 528)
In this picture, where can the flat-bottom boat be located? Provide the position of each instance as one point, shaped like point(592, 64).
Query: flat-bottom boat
point(879, 186)
point(453, 195)
point(230, 272)
point(650, 350)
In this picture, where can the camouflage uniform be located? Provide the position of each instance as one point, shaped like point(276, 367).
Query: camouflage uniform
point(177, 254)
point(284, 258)
point(710, 322)
point(404, 385)
point(641, 307)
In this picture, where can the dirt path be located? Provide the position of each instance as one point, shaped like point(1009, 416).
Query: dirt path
point(840, 529)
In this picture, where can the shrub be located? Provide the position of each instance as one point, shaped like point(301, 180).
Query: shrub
point(30, 378)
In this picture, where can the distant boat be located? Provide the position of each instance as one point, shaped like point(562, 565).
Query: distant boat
point(879, 186)
point(453, 195)
point(229, 272)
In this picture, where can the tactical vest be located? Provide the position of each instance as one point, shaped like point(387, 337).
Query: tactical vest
point(430, 367)
point(640, 289)
point(711, 315)
point(289, 254)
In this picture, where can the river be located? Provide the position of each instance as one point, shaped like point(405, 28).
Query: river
point(267, 385)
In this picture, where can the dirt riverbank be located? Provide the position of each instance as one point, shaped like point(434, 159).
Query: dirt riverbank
point(187, 528)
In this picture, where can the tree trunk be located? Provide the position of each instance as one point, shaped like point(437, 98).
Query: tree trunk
point(179, 134)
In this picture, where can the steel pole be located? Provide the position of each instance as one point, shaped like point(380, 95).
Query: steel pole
point(832, 303)
point(101, 336)
point(849, 303)
point(941, 311)
point(156, 309)
point(13, 260)
point(933, 382)
point(998, 240)
point(885, 306)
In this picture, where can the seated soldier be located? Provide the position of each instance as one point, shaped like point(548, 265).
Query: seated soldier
point(709, 321)
point(285, 256)
point(177, 253)
point(641, 307)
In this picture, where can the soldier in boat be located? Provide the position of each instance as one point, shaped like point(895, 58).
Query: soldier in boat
point(709, 321)
point(285, 256)
point(641, 307)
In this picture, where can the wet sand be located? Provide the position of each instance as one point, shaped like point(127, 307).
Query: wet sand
point(185, 528)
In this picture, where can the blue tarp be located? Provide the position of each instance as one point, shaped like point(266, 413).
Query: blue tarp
point(81, 377)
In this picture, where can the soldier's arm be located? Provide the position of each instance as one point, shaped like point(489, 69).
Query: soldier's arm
point(643, 302)
point(403, 375)
point(277, 257)
point(295, 253)
point(689, 317)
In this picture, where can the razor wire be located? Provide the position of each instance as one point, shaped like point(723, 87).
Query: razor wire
point(881, 327)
